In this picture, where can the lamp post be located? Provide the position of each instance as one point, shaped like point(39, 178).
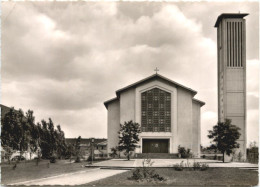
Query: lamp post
point(92, 150)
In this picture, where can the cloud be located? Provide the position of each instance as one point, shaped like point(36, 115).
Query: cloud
point(65, 59)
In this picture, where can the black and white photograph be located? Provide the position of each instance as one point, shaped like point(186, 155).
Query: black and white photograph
point(129, 93)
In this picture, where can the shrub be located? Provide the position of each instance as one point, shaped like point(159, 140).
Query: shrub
point(196, 165)
point(146, 173)
point(53, 159)
point(204, 167)
point(200, 166)
point(77, 159)
point(178, 167)
point(185, 153)
point(137, 174)
point(114, 151)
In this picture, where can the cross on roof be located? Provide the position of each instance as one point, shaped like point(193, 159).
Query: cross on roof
point(156, 69)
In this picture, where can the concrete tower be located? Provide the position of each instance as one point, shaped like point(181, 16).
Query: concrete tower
point(231, 44)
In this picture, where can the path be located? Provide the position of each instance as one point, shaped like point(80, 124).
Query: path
point(90, 175)
point(76, 178)
point(170, 163)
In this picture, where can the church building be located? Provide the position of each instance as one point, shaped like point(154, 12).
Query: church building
point(167, 112)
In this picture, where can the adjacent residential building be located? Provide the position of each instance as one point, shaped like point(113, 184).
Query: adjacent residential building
point(99, 146)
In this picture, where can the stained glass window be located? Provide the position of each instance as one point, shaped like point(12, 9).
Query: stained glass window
point(156, 111)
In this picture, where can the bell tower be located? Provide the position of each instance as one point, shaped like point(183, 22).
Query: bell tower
point(231, 47)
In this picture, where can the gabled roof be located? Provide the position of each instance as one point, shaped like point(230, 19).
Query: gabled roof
point(152, 77)
point(229, 15)
point(200, 102)
point(109, 101)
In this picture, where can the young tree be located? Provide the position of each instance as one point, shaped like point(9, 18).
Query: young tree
point(70, 150)
point(8, 140)
point(60, 141)
point(22, 133)
point(45, 139)
point(34, 133)
point(128, 136)
point(225, 136)
point(77, 149)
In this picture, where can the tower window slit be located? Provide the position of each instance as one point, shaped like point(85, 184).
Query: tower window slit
point(241, 44)
point(235, 44)
point(228, 60)
point(231, 44)
point(238, 58)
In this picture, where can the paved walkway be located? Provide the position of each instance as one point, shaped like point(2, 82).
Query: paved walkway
point(76, 178)
point(170, 163)
point(90, 175)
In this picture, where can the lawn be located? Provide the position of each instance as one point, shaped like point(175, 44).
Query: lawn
point(212, 176)
point(29, 171)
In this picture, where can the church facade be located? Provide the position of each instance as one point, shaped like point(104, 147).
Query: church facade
point(167, 112)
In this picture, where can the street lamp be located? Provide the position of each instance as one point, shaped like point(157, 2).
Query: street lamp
point(92, 149)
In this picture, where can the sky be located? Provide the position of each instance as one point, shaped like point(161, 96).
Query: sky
point(64, 59)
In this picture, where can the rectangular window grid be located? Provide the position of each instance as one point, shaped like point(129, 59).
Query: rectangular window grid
point(156, 111)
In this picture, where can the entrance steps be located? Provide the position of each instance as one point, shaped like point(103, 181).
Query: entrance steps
point(157, 155)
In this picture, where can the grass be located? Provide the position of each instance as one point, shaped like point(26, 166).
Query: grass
point(212, 176)
point(29, 171)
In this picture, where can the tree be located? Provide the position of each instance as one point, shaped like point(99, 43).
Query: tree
point(23, 132)
point(114, 152)
point(33, 131)
point(77, 149)
point(8, 140)
point(60, 141)
point(225, 136)
point(128, 137)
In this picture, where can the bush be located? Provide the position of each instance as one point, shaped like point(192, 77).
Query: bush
point(204, 167)
point(53, 159)
point(185, 153)
point(178, 167)
point(200, 166)
point(146, 173)
point(114, 152)
point(77, 159)
point(196, 165)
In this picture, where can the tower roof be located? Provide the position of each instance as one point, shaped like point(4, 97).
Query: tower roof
point(229, 15)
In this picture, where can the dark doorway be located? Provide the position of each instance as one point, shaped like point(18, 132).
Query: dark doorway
point(155, 146)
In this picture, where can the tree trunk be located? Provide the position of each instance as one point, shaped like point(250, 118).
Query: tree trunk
point(128, 155)
point(223, 157)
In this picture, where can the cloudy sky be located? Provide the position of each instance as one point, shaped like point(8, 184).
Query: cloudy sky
point(64, 59)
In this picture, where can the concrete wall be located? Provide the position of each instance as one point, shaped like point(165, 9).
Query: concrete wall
point(232, 80)
point(185, 117)
point(184, 128)
point(172, 136)
point(196, 136)
point(127, 105)
point(113, 124)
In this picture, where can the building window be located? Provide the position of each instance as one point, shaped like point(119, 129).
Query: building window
point(156, 111)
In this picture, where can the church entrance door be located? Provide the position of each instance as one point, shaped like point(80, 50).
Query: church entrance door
point(155, 146)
